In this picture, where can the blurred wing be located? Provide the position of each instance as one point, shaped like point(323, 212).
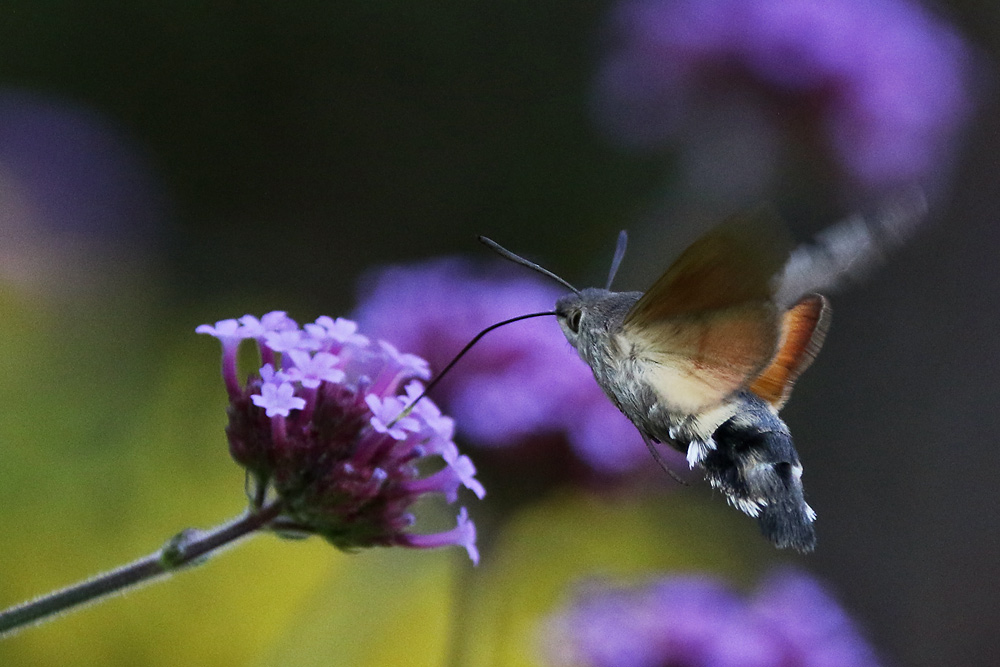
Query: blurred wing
point(849, 250)
point(709, 324)
point(803, 329)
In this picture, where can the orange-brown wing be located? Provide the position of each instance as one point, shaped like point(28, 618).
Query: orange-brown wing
point(709, 325)
point(733, 264)
point(803, 329)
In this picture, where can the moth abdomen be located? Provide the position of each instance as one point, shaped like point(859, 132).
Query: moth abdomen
point(754, 463)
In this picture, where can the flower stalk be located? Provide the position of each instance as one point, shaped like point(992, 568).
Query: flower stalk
point(189, 547)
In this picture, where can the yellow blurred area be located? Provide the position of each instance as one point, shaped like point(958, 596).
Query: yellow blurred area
point(575, 536)
point(397, 608)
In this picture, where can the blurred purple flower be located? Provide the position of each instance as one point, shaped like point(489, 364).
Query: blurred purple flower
point(886, 79)
point(333, 429)
point(519, 383)
point(83, 173)
point(76, 194)
point(697, 621)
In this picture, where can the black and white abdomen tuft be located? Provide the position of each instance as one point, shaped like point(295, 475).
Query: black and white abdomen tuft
point(754, 463)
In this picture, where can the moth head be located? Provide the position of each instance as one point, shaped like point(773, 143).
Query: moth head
point(591, 315)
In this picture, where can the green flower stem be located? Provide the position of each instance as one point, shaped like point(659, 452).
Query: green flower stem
point(190, 547)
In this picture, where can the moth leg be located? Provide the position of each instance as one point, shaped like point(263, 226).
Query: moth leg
point(659, 458)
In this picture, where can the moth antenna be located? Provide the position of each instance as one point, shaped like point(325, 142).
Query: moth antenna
point(517, 259)
point(619, 254)
point(475, 339)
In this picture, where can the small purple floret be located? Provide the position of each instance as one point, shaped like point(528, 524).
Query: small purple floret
point(285, 341)
point(274, 321)
point(464, 535)
point(327, 427)
point(312, 370)
point(340, 331)
point(413, 364)
point(268, 374)
point(278, 399)
point(223, 329)
point(386, 417)
point(465, 470)
point(230, 333)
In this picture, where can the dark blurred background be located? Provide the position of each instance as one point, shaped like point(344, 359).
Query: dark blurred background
point(198, 161)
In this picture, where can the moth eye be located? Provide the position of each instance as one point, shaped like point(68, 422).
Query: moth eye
point(574, 321)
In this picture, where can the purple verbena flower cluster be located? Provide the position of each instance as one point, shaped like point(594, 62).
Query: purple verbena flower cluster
point(697, 621)
point(522, 383)
point(332, 424)
point(889, 82)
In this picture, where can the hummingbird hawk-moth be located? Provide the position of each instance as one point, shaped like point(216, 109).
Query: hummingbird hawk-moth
point(704, 359)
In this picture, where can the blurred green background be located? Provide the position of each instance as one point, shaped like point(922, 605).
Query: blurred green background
point(270, 153)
